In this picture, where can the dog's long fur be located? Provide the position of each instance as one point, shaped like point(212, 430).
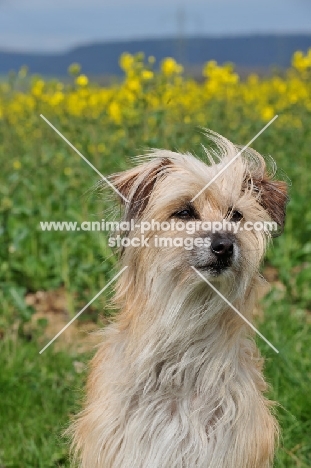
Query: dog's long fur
point(177, 381)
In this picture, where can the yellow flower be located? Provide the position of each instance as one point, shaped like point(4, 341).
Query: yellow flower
point(169, 67)
point(114, 111)
point(147, 75)
point(267, 113)
point(126, 61)
point(56, 98)
point(134, 85)
point(37, 88)
point(82, 80)
point(151, 59)
point(209, 67)
point(17, 165)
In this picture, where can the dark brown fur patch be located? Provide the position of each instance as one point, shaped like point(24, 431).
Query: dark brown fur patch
point(138, 199)
point(273, 198)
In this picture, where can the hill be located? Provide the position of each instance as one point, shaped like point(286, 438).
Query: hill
point(102, 58)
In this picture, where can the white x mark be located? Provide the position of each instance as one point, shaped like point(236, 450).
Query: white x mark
point(235, 310)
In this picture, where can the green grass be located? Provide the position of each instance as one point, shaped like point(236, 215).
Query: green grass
point(289, 374)
point(38, 392)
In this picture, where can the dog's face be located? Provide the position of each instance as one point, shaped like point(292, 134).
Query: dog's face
point(222, 232)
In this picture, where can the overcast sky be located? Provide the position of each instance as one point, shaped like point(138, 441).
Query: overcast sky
point(54, 25)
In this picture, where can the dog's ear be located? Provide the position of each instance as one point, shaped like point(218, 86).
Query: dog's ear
point(273, 198)
point(136, 185)
point(271, 194)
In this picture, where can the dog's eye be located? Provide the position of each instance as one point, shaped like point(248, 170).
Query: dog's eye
point(184, 214)
point(235, 216)
point(187, 213)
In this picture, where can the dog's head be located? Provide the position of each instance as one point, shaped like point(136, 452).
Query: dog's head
point(215, 217)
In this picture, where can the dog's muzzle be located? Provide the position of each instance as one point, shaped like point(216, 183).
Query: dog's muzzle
point(220, 255)
point(222, 246)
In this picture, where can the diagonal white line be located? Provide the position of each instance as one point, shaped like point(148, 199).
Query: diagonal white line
point(235, 157)
point(236, 310)
point(84, 158)
point(82, 310)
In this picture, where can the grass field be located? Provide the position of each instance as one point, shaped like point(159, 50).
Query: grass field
point(43, 179)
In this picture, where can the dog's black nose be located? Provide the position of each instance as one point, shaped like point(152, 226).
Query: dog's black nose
point(222, 246)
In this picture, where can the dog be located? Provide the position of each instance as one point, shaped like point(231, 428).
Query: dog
point(177, 381)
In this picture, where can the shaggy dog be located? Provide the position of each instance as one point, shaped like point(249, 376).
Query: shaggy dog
point(177, 381)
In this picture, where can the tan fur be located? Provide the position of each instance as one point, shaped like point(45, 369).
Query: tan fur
point(177, 381)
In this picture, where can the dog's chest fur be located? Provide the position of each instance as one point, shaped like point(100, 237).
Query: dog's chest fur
point(181, 406)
